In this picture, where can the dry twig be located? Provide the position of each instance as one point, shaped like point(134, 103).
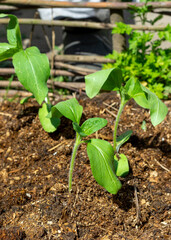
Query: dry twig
point(138, 216)
point(162, 166)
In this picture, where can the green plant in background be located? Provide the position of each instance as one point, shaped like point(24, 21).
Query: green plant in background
point(99, 151)
point(112, 80)
point(144, 59)
point(32, 69)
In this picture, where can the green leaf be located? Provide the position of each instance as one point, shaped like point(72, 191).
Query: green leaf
point(32, 69)
point(92, 125)
point(24, 100)
point(70, 109)
point(122, 139)
point(48, 124)
point(101, 156)
point(7, 51)
point(54, 113)
point(158, 109)
point(133, 90)
point(121, 165)
point(13, 31)
point(108, 79)
point(78, 129)
point(122, 28)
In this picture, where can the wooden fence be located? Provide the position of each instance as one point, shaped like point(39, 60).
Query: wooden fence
point(61, 60)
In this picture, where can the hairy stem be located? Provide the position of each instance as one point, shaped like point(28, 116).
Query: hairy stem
point(123, 102)
point(74, 152)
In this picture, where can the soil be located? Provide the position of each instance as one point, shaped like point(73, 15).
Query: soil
point(34, 199)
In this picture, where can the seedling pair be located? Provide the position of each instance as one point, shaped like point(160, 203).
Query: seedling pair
point(105, 160)
point(32, 69)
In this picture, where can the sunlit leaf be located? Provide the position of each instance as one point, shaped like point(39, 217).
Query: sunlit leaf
point(122, 139)
point(101, 156)
point(108, 79)
point(158, 109)
point(48, 124)
point(121, 165)
point(13, 31)
point(7, 51)
point(32, 69)
point(92, 125)
point(70, 109)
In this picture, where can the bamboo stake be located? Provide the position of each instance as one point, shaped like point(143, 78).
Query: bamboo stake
point(81, 24)
point(14, 84)
point(14, 92)
point(80, 70)
point(82, 58)
point(9, 71)
point(7, 8)
point(67, 85)
point(108, 5)
point(6, 71)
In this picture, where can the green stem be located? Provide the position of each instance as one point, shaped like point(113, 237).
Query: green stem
point(47, 100)
point(74, 152)
point(123, 102)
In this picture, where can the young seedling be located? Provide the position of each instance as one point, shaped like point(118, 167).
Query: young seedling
point(99, 151)
point(32, 69)
point(111, 80)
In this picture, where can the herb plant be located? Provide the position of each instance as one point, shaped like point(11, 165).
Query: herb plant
point(112, 80)
point(145, 59)
point(32, 69)
point(100, 152)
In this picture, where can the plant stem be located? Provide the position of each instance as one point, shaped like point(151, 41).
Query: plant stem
point(123, 102)
point(47, 100)
point(74, 152)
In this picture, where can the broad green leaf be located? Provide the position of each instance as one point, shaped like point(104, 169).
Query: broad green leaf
point(158, 109)
point(122, 139)
point(13, 31)
point(54, 113)
point(70, 109)
point(121, 165)
point(108, 79)
point(24, 100)
point(92, 125)
point(78, 129)
point(7, 51)
point(32, 69)
point(101, 156)
point(48, 124)
point(133, 90)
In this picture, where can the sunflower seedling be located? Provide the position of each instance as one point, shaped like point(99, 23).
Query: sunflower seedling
point(100, 152)
point(32, 69)
point(111, 80)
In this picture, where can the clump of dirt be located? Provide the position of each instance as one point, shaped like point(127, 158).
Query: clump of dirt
point(34, 200)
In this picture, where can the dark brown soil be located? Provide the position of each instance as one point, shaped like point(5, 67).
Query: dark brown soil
point(34, 201)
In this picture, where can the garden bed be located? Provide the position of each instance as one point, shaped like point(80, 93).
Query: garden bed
point(34, 200)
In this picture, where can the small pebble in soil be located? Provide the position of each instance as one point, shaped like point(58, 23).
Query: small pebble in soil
point(49, 222)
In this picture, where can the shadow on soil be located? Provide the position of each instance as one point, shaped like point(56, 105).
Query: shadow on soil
point(125, 197)
point(150, 142)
